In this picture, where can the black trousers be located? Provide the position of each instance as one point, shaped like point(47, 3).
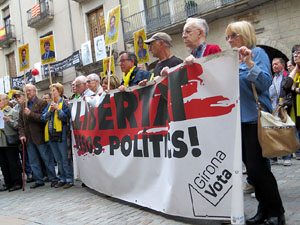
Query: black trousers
point(10, 166)
point(263, 180)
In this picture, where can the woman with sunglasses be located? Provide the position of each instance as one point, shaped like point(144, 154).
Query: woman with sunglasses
point(255, 68)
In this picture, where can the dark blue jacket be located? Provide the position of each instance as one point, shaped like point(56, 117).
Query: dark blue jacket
point(138, 75)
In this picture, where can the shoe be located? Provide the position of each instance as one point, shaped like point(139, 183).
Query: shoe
point(60, 184)
point(248, 188)
point(36, 185)
point(54, 183)
point(4, 188)
point(253, 195)
point(297, 156)
point(68, 185)
point(29, 179)
point(277, 220)
point(257, 219)
point(287, 162)
point(273, 161)
point(15, 187)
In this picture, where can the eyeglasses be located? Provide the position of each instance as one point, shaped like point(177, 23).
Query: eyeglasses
point(77, 85)
point(122, 60)
point(231, 36)
point(187, 32)
point(296, 53)
point(89, 81)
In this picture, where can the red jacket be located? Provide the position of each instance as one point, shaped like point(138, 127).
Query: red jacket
point(211, 49)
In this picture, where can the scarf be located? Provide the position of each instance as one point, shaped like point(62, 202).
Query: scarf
point(3, 114)
point(57, 124)
point(126, 77)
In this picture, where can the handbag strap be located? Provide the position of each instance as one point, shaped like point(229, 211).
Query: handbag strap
point(258, 105)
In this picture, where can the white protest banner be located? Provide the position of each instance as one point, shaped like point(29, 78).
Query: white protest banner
point(86, 53)
point(174, 146)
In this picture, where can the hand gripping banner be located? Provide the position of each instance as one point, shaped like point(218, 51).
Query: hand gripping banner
point(173, 146)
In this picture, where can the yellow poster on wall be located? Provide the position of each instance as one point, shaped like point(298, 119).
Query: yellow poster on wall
point(47, 49)
point(112, 26)
point(106, 66)
point(140, 48)
point(24, 57)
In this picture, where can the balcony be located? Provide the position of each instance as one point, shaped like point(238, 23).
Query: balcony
point(7, 35)
point(40, 14)
point(170, 15)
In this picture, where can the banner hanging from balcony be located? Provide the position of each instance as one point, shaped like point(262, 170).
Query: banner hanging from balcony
point(141, 49)
point(35, 10)
point(24, 57)
point(174, 146)
point(47, 49)
point(2, 33)
point(59, 66)
point(112, 27)
point(18, 82)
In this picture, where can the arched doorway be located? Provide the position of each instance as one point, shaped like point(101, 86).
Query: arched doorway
point(274, 53)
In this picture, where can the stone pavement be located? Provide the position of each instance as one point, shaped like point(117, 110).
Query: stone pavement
point(79, 205)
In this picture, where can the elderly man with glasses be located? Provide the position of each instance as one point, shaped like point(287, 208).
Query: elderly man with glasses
point(81, 87)
point(132, 75)
point(93, 83)
point(194, 34)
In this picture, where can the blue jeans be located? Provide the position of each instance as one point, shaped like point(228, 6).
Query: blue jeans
point(33, 154)
point(60, 153)
point(297, 134)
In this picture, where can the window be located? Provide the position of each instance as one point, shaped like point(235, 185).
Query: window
point(12, 71)
point(96, 25)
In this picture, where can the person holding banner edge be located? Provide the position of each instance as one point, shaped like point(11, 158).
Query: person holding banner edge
point(255, 68)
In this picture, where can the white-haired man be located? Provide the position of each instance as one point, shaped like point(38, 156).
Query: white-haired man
point(93, 83)
point(194, 35)
point(81, 87)
point(31, 132)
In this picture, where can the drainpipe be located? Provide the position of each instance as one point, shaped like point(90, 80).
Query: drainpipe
point(71, 30)
point(21, 20)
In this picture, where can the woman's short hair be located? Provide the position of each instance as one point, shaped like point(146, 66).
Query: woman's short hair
point(114, 81)
point(245, 29)
point(59, 87)
point(4, 97)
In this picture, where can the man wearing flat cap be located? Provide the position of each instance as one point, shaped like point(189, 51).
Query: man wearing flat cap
point(159, 46)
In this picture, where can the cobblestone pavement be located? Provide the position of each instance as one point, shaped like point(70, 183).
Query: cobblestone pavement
point(79, 205)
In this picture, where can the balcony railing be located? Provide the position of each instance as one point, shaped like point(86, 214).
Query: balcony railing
point(7, 35)
point(170, 12)
point(35, 19)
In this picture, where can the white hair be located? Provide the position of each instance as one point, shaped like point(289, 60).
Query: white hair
point(32, 86)
point(94, 76)
point(81, 78)
point(200, 24)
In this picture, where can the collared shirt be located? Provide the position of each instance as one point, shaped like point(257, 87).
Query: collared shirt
point(199, 51)
point(87, 92)
point(30, 103)
point(275, 89)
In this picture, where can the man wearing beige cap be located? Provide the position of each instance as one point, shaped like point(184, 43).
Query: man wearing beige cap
point(159, 46)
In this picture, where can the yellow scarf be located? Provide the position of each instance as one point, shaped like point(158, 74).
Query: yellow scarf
point(126, 77)
point(57, 124)
point(296, 112)
point(3, 114)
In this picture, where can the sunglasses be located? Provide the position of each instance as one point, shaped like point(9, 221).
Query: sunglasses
point(296, 53)
point(231, 36)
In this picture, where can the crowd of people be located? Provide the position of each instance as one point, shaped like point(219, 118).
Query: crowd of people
point(43, 125)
